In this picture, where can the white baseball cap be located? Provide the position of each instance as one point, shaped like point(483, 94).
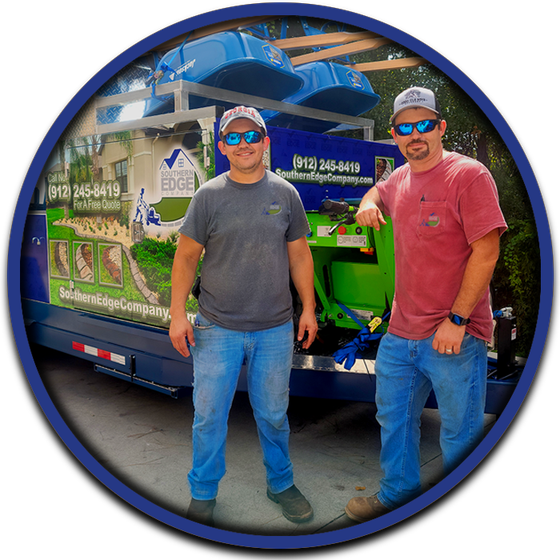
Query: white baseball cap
point(241, 113)
point(416, 97)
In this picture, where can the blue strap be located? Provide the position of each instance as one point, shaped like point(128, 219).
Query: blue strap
point(350, 314)
point(166, 67)
point(347, 354)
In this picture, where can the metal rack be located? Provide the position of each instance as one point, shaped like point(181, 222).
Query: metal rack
point(181, 90)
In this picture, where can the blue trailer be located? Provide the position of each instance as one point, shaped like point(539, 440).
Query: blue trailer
point(102, 225)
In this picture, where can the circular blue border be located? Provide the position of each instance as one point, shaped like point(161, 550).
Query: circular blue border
point(300, 541)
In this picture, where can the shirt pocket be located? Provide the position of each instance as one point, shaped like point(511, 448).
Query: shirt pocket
point(432, 218)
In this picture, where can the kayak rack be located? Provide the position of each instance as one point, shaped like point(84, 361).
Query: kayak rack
point(181, 90)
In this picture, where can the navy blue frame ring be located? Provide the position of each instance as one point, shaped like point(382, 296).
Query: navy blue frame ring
point(301, 541)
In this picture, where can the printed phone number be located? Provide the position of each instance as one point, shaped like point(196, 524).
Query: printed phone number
point(311, 163)
point(62, 192)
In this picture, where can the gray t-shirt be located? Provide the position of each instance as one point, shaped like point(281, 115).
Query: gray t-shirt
point(244, 229)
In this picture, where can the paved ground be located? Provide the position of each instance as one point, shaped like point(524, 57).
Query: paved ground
point(143, 438)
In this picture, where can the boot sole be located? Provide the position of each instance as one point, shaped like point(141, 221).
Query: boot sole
point(355, 517)
point(359, 519)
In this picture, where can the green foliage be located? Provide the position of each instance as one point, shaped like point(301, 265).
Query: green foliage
point(155, 260)
point(210, 171)
point(517, 279)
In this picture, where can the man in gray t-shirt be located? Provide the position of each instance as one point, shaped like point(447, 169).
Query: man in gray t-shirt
point(245, 229)
point(252, 227)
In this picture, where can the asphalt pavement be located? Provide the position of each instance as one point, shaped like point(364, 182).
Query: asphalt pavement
point(143, 438)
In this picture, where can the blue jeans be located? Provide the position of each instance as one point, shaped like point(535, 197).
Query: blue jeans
point(406, 371)
point(217, 357)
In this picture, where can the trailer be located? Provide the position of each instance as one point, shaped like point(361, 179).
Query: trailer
point(103, 223)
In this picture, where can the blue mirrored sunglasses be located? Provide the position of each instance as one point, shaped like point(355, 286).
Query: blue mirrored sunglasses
point(251, 137)
point(405, 129)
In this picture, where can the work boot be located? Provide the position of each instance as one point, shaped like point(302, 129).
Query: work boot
point(365, 509)
point(295, 507)
point(202, 511)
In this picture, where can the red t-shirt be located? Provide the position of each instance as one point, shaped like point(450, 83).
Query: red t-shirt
point(436, 215)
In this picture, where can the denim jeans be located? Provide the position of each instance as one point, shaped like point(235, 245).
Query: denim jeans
point(217, 357)
point(406, 371)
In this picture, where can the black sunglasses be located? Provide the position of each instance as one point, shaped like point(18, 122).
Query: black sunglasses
point(251, 137)
point(405, 129)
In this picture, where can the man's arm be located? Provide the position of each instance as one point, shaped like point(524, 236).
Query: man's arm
point(183, 273)
point(301, 271)
point(476, 278)
point(371, 210)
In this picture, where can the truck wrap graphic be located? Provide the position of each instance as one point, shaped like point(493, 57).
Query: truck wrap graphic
point(114, 207)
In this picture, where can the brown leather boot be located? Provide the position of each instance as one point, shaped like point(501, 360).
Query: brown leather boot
point(365, 509)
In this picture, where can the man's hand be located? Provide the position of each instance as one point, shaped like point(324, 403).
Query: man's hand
point(180, 331)
point(477, 275)
point(371, 209)
point(448, 338)
point(301, 271)
point(370, 216)
point(307, 322)
point(187, 257)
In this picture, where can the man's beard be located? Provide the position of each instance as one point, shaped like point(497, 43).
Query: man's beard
point(417, 156)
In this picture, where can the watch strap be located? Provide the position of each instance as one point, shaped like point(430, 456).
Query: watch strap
point(457, 319)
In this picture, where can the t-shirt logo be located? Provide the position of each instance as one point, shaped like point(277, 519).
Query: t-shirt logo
point(432, 221)
point(274, 208)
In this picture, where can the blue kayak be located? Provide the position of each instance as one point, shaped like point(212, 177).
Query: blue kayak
point(231, 61)
point(330, 87)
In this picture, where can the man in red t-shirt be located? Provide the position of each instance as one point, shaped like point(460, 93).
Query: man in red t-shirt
point(447, 224)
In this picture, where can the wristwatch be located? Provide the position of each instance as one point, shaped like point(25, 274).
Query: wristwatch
point(457, 319)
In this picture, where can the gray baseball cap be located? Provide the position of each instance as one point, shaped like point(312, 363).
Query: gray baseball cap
point(416, 97)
